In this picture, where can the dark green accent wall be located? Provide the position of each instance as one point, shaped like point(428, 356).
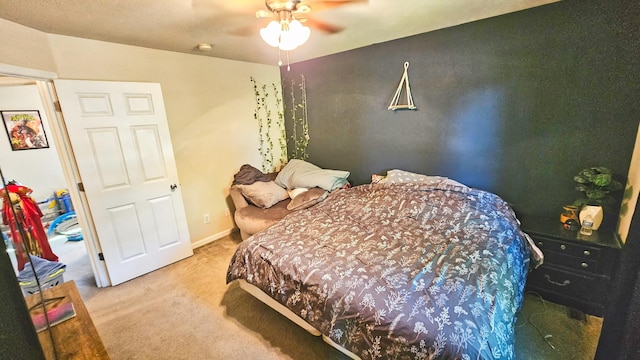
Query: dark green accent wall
point(515, 104)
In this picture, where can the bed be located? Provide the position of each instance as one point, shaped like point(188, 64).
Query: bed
point(396, 270)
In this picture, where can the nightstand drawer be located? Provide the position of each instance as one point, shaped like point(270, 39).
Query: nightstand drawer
point(565, 247)
point(577, 269)
point(572, 262)
point(590, 289)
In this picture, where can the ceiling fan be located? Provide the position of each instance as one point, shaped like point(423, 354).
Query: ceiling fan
point(289, 10)
point(286, 32)
point(277, 6)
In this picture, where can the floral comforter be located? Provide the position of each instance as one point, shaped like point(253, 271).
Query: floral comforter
point(398, 271)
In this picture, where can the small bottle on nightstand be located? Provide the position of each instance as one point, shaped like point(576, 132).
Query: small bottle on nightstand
point(587, 225)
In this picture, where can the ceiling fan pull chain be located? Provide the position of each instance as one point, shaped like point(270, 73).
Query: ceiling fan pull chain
point(288, 66)
point(280, 59)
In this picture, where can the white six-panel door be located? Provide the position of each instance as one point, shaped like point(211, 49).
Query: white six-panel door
point(121, 143)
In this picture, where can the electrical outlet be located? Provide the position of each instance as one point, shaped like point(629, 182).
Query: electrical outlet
point(226, 212)
point(207, 218)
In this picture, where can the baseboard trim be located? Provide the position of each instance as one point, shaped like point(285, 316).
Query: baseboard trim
point(212, 238)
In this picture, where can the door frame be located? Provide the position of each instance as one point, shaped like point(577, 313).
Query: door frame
point(48, 96)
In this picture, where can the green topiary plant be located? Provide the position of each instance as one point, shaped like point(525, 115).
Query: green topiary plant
point(596, 183)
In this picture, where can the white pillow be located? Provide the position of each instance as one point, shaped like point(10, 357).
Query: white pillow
point(295, 192)
point(401, 176)
point(301, 174)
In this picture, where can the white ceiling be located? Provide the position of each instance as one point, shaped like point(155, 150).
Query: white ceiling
point(232, 27)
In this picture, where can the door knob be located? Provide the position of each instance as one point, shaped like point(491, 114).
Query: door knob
point(173, 186)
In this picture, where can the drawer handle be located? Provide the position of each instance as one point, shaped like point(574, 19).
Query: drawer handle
point(585, 265)
point(564, 283)
point(587, 252)
point(563, 247)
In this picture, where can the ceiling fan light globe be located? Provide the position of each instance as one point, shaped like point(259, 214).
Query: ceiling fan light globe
point(295, 25)
point(271, 33)
point(303, 34)
point(298, 32)
point(288, 41)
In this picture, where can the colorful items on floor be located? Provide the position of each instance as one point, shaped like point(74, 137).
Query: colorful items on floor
point(23, 216)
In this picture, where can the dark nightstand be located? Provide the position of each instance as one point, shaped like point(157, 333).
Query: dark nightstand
point(577, 269)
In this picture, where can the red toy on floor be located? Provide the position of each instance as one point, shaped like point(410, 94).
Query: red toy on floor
point(28, 216)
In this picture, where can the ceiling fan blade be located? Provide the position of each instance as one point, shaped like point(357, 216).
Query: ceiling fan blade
point(317, 5)
point(264, 14)
point(300, 10)
point(323, 26)
point(250, 30)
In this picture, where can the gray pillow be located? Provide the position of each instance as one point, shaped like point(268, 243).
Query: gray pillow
point(264, 194)
point(301, 174)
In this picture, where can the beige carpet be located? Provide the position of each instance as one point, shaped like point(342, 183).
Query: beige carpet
point(186, 311)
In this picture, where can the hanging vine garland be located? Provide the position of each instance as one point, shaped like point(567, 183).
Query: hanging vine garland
point(263, 115)
point(282, 140)
point(300, 123)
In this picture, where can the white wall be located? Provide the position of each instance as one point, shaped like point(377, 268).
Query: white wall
point(26, 47)
point(38, 169)
point(632, 190)
point(209, 102)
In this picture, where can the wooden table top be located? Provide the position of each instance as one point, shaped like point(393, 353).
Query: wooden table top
point(76, 338)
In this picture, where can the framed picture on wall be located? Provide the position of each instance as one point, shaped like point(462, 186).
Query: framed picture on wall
point(25, 129)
